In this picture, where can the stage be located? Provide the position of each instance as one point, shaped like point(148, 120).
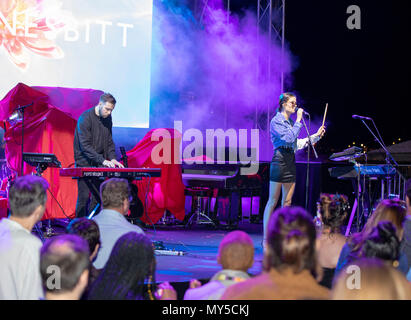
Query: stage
point(198, 247)
point(202, 112)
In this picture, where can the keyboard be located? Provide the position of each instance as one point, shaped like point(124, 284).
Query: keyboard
point(135, 173)
point(348, 172)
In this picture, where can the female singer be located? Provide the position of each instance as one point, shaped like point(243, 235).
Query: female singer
point(284, 136)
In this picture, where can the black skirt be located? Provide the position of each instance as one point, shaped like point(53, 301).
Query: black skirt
point(328, 276)
point(282, 167)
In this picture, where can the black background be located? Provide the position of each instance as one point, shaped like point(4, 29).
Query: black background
point(365, 72)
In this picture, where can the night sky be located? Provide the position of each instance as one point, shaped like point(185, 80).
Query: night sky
point(364, 72)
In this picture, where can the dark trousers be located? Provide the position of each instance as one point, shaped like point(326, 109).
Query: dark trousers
point(86, 201)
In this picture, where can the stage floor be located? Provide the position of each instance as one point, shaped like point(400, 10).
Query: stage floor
point(200, 247)
point(198, 244)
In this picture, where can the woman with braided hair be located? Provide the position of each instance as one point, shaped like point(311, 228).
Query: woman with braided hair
point(332, 210)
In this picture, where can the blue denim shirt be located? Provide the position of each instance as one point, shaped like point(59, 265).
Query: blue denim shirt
point(284, 133)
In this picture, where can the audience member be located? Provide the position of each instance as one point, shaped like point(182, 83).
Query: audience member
point(371, 279)
point(89, 231)
point(64, 267)
point(115, 198)
point(391, 210)
point(19, 249)
point(382, 243)
point(131, 264)
point(406, 240)
point(332, 211)
point(236, 256)
point(289, 261)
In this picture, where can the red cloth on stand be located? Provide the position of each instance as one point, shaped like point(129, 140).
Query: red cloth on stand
point(49, 126)
point(166, 192)
point(3, 208)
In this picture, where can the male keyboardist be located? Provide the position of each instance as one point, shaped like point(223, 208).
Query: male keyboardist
point(94, 147)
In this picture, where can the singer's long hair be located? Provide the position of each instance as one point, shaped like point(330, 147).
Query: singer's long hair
point(284, 97)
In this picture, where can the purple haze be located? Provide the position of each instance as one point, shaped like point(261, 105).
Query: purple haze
point(198, 72)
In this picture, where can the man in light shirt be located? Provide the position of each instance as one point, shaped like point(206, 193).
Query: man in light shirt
point(115, 198)
point(19, 249)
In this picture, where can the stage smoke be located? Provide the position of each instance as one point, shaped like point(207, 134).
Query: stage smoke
point(210, 71)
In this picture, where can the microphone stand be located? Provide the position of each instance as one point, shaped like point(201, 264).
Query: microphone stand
point(22, 109)
point(388, 157)
point(310, 142)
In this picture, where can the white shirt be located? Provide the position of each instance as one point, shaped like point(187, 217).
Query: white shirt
point(20, 277)
point(112, 225)
point(215, 289)
point(303, 143)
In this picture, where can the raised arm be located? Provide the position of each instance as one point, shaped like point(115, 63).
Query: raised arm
point(303, 143)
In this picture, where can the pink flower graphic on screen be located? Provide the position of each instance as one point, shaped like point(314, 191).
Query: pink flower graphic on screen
point(29, 27)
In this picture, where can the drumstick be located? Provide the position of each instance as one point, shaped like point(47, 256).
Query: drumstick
point(325, 113)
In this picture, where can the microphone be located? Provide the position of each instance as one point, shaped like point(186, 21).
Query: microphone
point(354, 116)
point(24, 107)
point(305, 112)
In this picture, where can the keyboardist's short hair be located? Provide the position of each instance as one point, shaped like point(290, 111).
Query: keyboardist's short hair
point(107, 97)
point(113, 192)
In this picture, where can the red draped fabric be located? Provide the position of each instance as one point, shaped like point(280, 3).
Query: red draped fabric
point(166, 192)
point(49, 126)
